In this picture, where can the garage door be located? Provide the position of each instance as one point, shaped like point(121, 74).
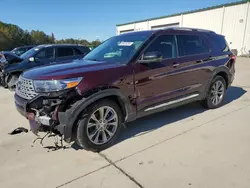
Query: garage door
point(165, 26)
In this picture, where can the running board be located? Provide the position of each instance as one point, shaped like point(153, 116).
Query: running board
point(172, 102)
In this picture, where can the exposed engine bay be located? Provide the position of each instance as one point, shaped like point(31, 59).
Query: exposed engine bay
point(42, 114)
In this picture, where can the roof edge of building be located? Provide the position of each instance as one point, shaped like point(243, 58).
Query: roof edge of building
point(189, 12)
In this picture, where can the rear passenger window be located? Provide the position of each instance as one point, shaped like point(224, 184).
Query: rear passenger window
point(191, 45)
point(164, 44)
point(64, 52)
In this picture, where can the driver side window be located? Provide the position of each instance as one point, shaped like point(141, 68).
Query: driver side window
point(165, 45)
point(47, 53)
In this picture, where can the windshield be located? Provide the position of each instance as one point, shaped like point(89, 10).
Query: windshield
point(118, 49)
point(29, 53)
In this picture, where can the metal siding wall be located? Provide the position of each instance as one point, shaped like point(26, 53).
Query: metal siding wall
point(210, 19)
point(141, 26)
point(165, 26)
point(233, 24)
point(233, 28)
point(246, 44)
point(124, 28)
point(165, 21)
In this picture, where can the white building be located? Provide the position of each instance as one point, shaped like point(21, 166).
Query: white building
point(231, 20)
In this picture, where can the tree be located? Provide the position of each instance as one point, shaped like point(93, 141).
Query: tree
point(12, 36)
point(53, 38)
point(95, 43)
point(39, 37)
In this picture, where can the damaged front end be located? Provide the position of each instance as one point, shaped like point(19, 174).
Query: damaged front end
point(41, 109)
point(7, 60)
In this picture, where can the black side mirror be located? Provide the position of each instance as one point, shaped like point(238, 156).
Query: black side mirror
point(150, 57)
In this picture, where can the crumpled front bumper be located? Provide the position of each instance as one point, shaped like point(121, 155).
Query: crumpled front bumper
point(21, 105)
point(37, 122)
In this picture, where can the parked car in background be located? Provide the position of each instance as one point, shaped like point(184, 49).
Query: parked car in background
point(7, 58)
point(21, 50)
point(41, 55)
point(128, 76)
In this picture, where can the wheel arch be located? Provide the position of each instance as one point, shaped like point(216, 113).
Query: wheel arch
point(224, 75)
point(69, 117)
point(220, 71)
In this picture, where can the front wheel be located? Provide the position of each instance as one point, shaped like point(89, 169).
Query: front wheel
point(216, 93)
point(11, 80)
point(99, 126)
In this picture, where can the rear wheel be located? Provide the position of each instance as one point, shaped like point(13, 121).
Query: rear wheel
point(99, 126)
point(216, 93)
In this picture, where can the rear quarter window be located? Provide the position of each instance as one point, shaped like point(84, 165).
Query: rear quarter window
point(222, 43)
point(81, 50)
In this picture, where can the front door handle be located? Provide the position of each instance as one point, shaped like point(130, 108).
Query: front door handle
point(175, 65)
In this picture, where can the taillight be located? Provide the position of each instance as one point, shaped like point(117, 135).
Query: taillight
point(233, 57)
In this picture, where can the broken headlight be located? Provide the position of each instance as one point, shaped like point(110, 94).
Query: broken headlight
point(42, 86)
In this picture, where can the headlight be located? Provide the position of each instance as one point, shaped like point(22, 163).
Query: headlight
point(42, 86)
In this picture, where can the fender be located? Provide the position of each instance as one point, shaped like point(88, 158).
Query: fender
point(68, 118)
point(219, 70)
point(14, 68)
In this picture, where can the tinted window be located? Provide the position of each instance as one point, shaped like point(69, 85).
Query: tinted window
point(191, 45)
point(64, 52)
point(81, 50)
point(164, 44)
point(19, 51)
point(222, 44)
point(46, 53)
point(78, 52)
point(85, 49)
point(30, 52)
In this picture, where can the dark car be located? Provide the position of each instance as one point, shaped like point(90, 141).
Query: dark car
point(5, 58)
point(21, 50)
point(126, 77)
point(40, 56)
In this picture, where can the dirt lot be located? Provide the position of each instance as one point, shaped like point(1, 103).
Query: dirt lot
point(183, 147)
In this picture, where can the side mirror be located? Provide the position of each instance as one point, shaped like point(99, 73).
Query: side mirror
point(151, 57)
point(32, 59)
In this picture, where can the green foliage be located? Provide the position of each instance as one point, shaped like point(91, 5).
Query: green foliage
point(12, 36)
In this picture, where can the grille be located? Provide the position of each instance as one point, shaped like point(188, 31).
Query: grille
point(25, 88)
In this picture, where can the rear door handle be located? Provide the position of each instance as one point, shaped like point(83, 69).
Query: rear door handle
point(175, 65)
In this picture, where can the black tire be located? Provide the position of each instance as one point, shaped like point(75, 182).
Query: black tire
point(207, 102)
point(81, 132)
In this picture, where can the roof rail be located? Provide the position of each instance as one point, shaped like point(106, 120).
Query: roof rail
point(189, 29)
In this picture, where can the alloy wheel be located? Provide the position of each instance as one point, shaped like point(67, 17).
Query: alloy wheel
point(102, 125)
point(217, 92)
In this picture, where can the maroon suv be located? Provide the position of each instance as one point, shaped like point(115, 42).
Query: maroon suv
point(126, 77)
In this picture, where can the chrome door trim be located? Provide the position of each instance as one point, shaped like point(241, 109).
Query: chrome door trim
point(172, 102)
